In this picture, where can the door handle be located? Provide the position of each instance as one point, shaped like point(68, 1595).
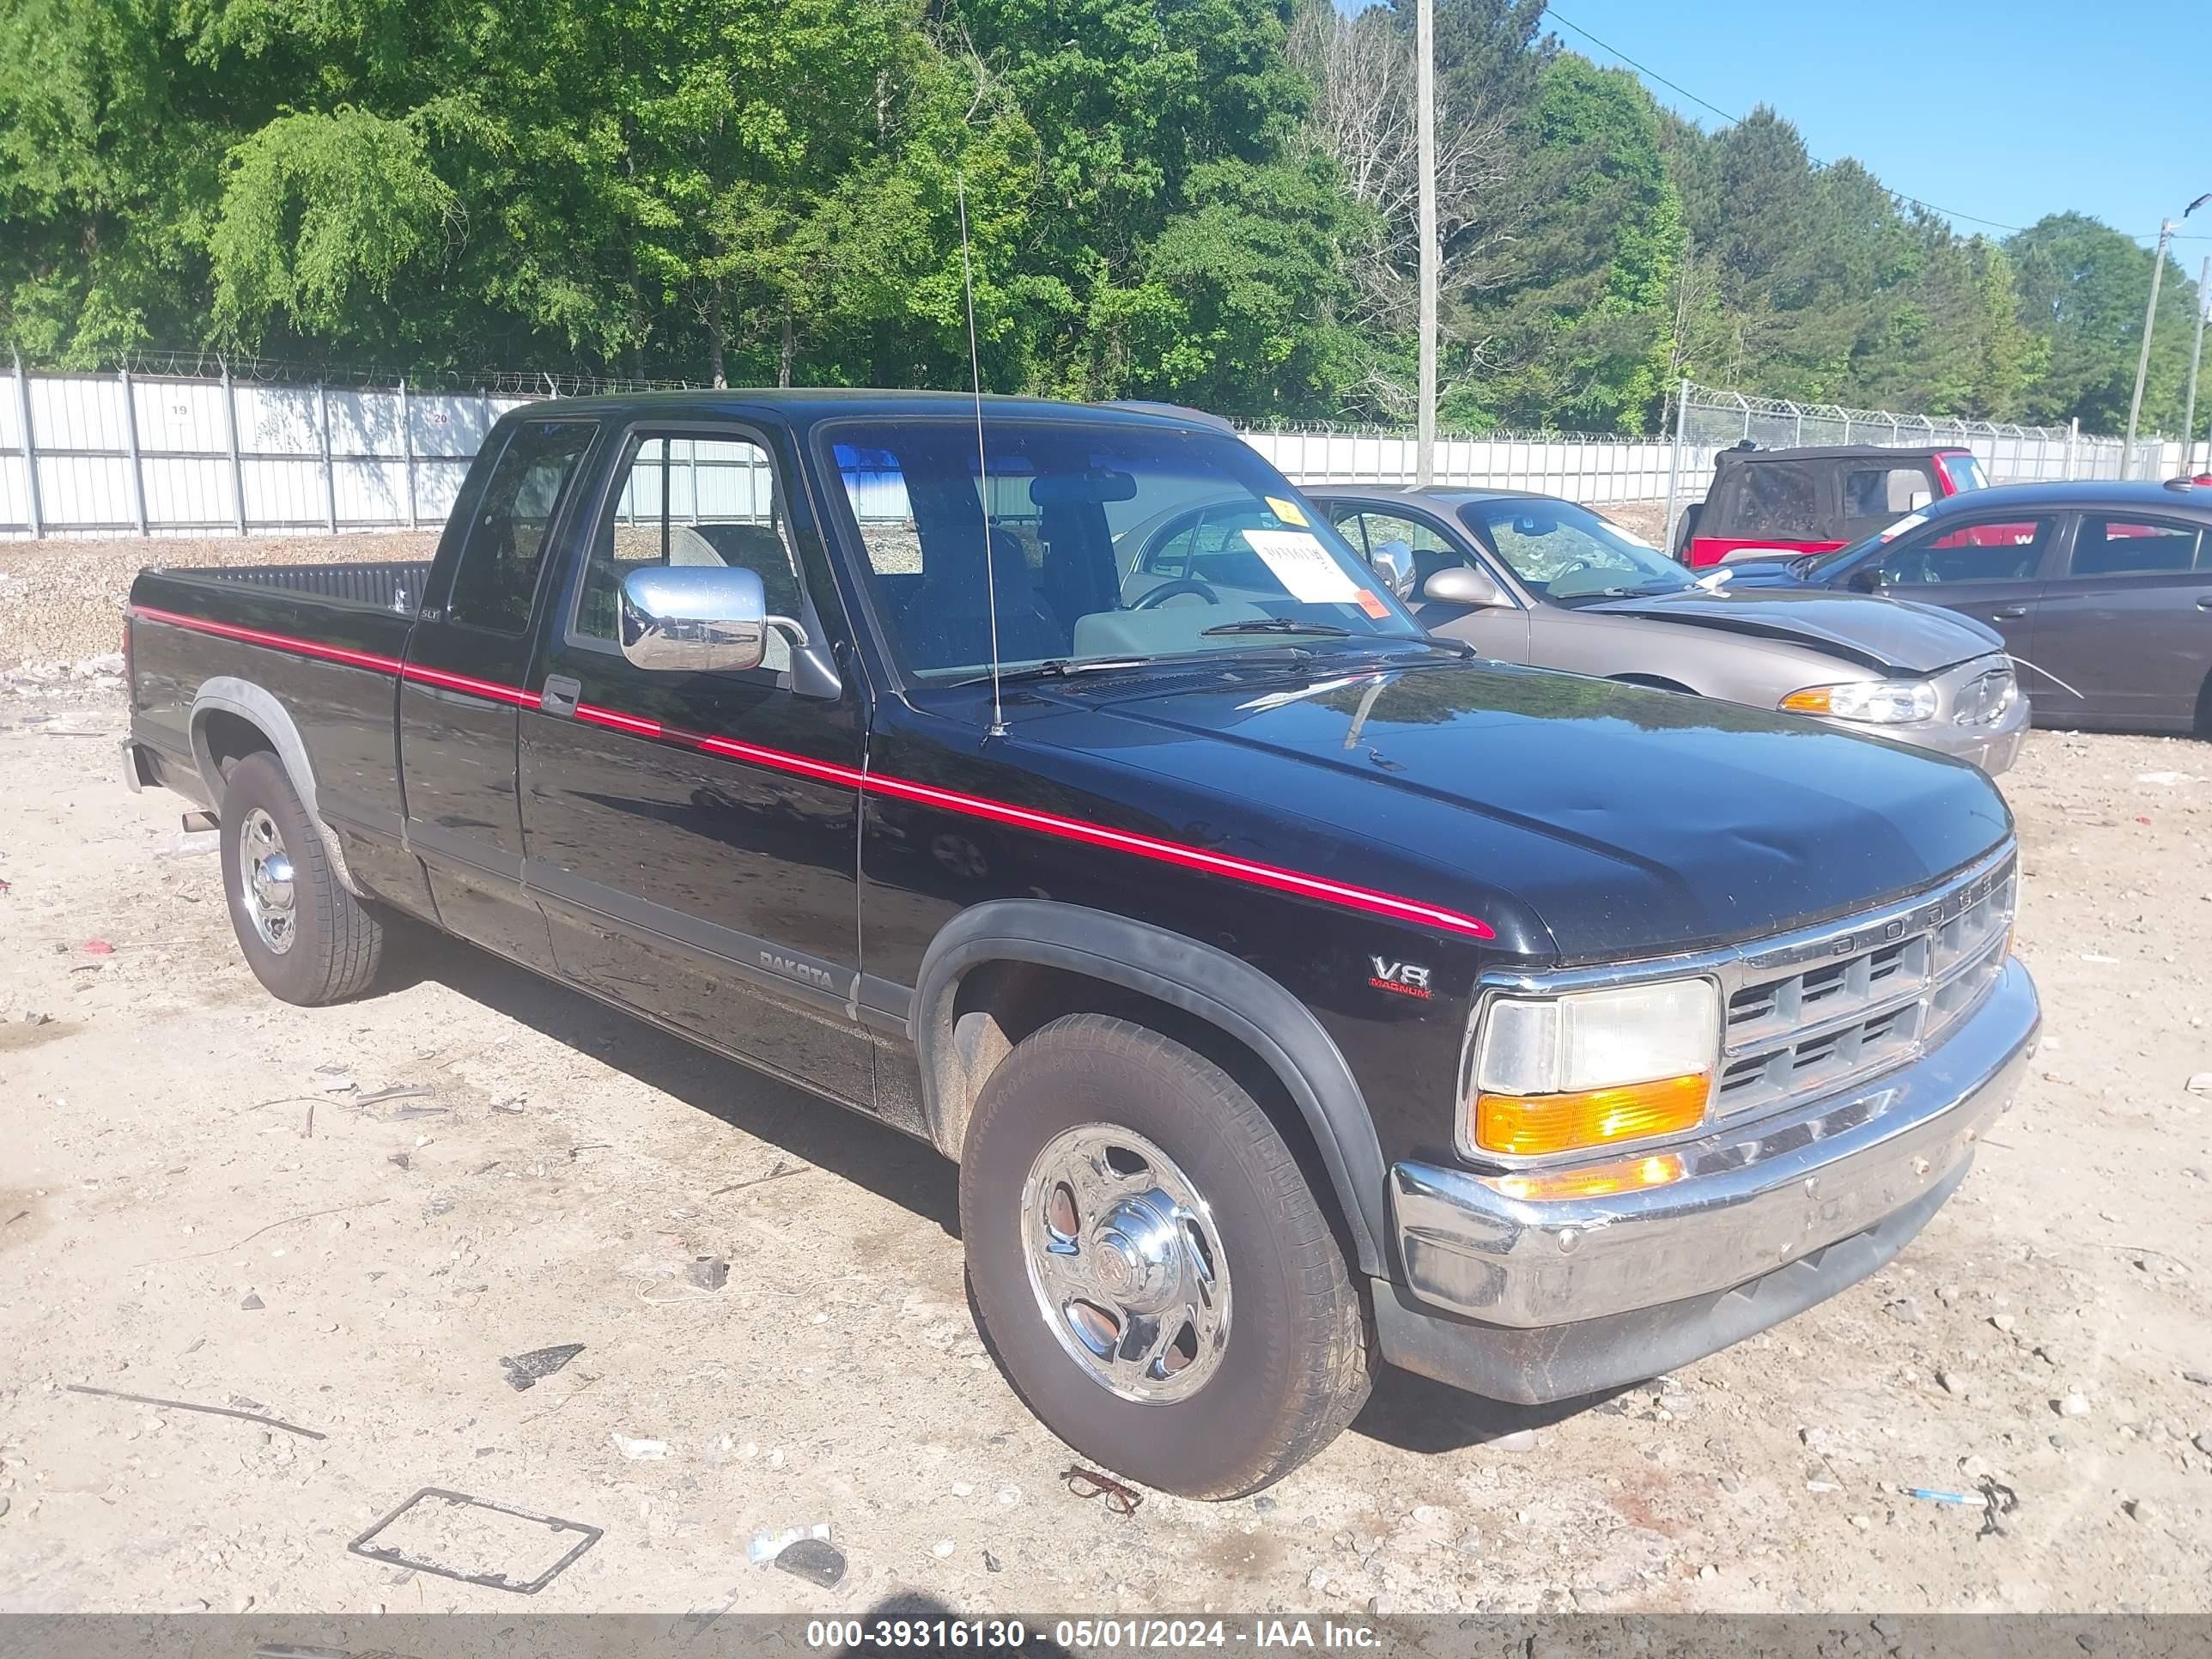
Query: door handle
point(2205, 603)
point(2010, 613)
point(560, 695)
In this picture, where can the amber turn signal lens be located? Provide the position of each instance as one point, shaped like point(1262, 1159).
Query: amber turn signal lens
point(1813, 700)
point(1629, 1176)
point(1529, 1126)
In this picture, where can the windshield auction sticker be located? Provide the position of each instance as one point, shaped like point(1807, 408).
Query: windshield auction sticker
point(1303, 566)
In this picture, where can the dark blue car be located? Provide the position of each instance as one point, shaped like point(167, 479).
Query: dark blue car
point(2103, 591)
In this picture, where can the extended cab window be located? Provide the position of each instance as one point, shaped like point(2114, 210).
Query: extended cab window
point(2138, 547)
point(1991, 550)
point(498, 576)
point(683, 500)
point(1101, 543)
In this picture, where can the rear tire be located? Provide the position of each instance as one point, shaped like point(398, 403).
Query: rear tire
point(307, 940)
point(1211, 1238)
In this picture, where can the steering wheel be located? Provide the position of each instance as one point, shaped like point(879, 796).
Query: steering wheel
point(1167, 591)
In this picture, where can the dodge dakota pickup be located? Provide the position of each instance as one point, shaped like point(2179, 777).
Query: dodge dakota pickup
point(1297, 992)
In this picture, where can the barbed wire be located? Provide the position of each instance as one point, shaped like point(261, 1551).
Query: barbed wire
point(1739, 406)
point(1496, 434)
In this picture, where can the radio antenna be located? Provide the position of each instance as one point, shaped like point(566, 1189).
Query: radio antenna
point(998, 727)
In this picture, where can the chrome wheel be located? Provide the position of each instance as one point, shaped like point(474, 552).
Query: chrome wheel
point(1125, 1262)
point(264, 881)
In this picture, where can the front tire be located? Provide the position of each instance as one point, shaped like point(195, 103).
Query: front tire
point(1151, 1266)
point(307, 940)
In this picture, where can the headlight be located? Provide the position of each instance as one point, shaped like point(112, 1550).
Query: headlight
point(1878, 702)
point(1592, 1068)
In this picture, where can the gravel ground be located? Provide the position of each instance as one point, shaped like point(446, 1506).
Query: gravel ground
point(62, 601)
point(207, 1202)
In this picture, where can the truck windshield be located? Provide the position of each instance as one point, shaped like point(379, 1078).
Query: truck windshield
point(1570, 556)
point(1107, 544)
point(1964, 471)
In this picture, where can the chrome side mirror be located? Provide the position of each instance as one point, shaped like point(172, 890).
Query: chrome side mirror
point(1464, 585)
point(697, 619)
point(1394, 562)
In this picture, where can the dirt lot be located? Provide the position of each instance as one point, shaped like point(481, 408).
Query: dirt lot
point(204, 1200)
point(61, 601)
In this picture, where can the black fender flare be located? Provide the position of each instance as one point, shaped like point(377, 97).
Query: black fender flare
point(259, 708)
point(1203, 981)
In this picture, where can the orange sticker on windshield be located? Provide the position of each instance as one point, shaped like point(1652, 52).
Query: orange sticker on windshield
point(1374, 607)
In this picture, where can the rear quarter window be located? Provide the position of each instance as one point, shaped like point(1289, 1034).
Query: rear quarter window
point(497, 578)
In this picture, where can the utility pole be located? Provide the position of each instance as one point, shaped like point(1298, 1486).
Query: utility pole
point(2195, 357)
point(1425, 84)
point(2143, 359)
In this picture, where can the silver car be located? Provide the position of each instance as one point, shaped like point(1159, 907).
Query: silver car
point(1532, 578)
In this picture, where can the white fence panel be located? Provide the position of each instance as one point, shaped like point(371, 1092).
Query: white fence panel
point(278, 421)
point(365, 423)
point(177, 417)
point(86, 492)
point(172, 455)
point(437, 481)
point(371, 492)
point(186, 493)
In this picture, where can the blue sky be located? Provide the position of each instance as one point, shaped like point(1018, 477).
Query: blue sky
point(2006, 112)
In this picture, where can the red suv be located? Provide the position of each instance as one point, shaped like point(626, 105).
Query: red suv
point(1813, 501)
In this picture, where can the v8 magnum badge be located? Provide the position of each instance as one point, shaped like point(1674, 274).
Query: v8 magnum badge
point(1404, 978)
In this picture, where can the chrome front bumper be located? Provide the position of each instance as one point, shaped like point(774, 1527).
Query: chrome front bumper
point(1753, 1197)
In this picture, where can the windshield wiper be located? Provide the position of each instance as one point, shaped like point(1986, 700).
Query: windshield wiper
point(1277, 625)
point(1058, 668)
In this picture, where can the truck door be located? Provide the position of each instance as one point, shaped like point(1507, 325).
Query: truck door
point(693, 838)
point(467, 659)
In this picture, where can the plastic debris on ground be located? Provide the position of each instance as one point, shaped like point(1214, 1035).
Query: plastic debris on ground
point(708, 1272)
point(815, 1560)
point(636, 1450)
point(767, 1545)
point(524, 1370)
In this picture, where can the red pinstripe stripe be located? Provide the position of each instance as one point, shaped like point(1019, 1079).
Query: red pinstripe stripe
point(338, 654)
point(1051, 823)
point(274, 641)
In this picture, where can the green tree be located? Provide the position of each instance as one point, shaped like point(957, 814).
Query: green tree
point(1579, 322)
point(2083, 288)
point(107, 167)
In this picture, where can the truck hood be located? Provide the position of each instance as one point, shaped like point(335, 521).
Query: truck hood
point(1892, 635)
point(1582, 818)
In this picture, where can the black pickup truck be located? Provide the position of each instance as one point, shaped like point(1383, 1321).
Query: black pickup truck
point(1296, 993)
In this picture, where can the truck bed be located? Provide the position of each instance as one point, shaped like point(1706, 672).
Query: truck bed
point(326, 640)
point(394, 585)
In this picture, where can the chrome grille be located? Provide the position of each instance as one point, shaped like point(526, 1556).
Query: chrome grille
point(1819, 1011)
